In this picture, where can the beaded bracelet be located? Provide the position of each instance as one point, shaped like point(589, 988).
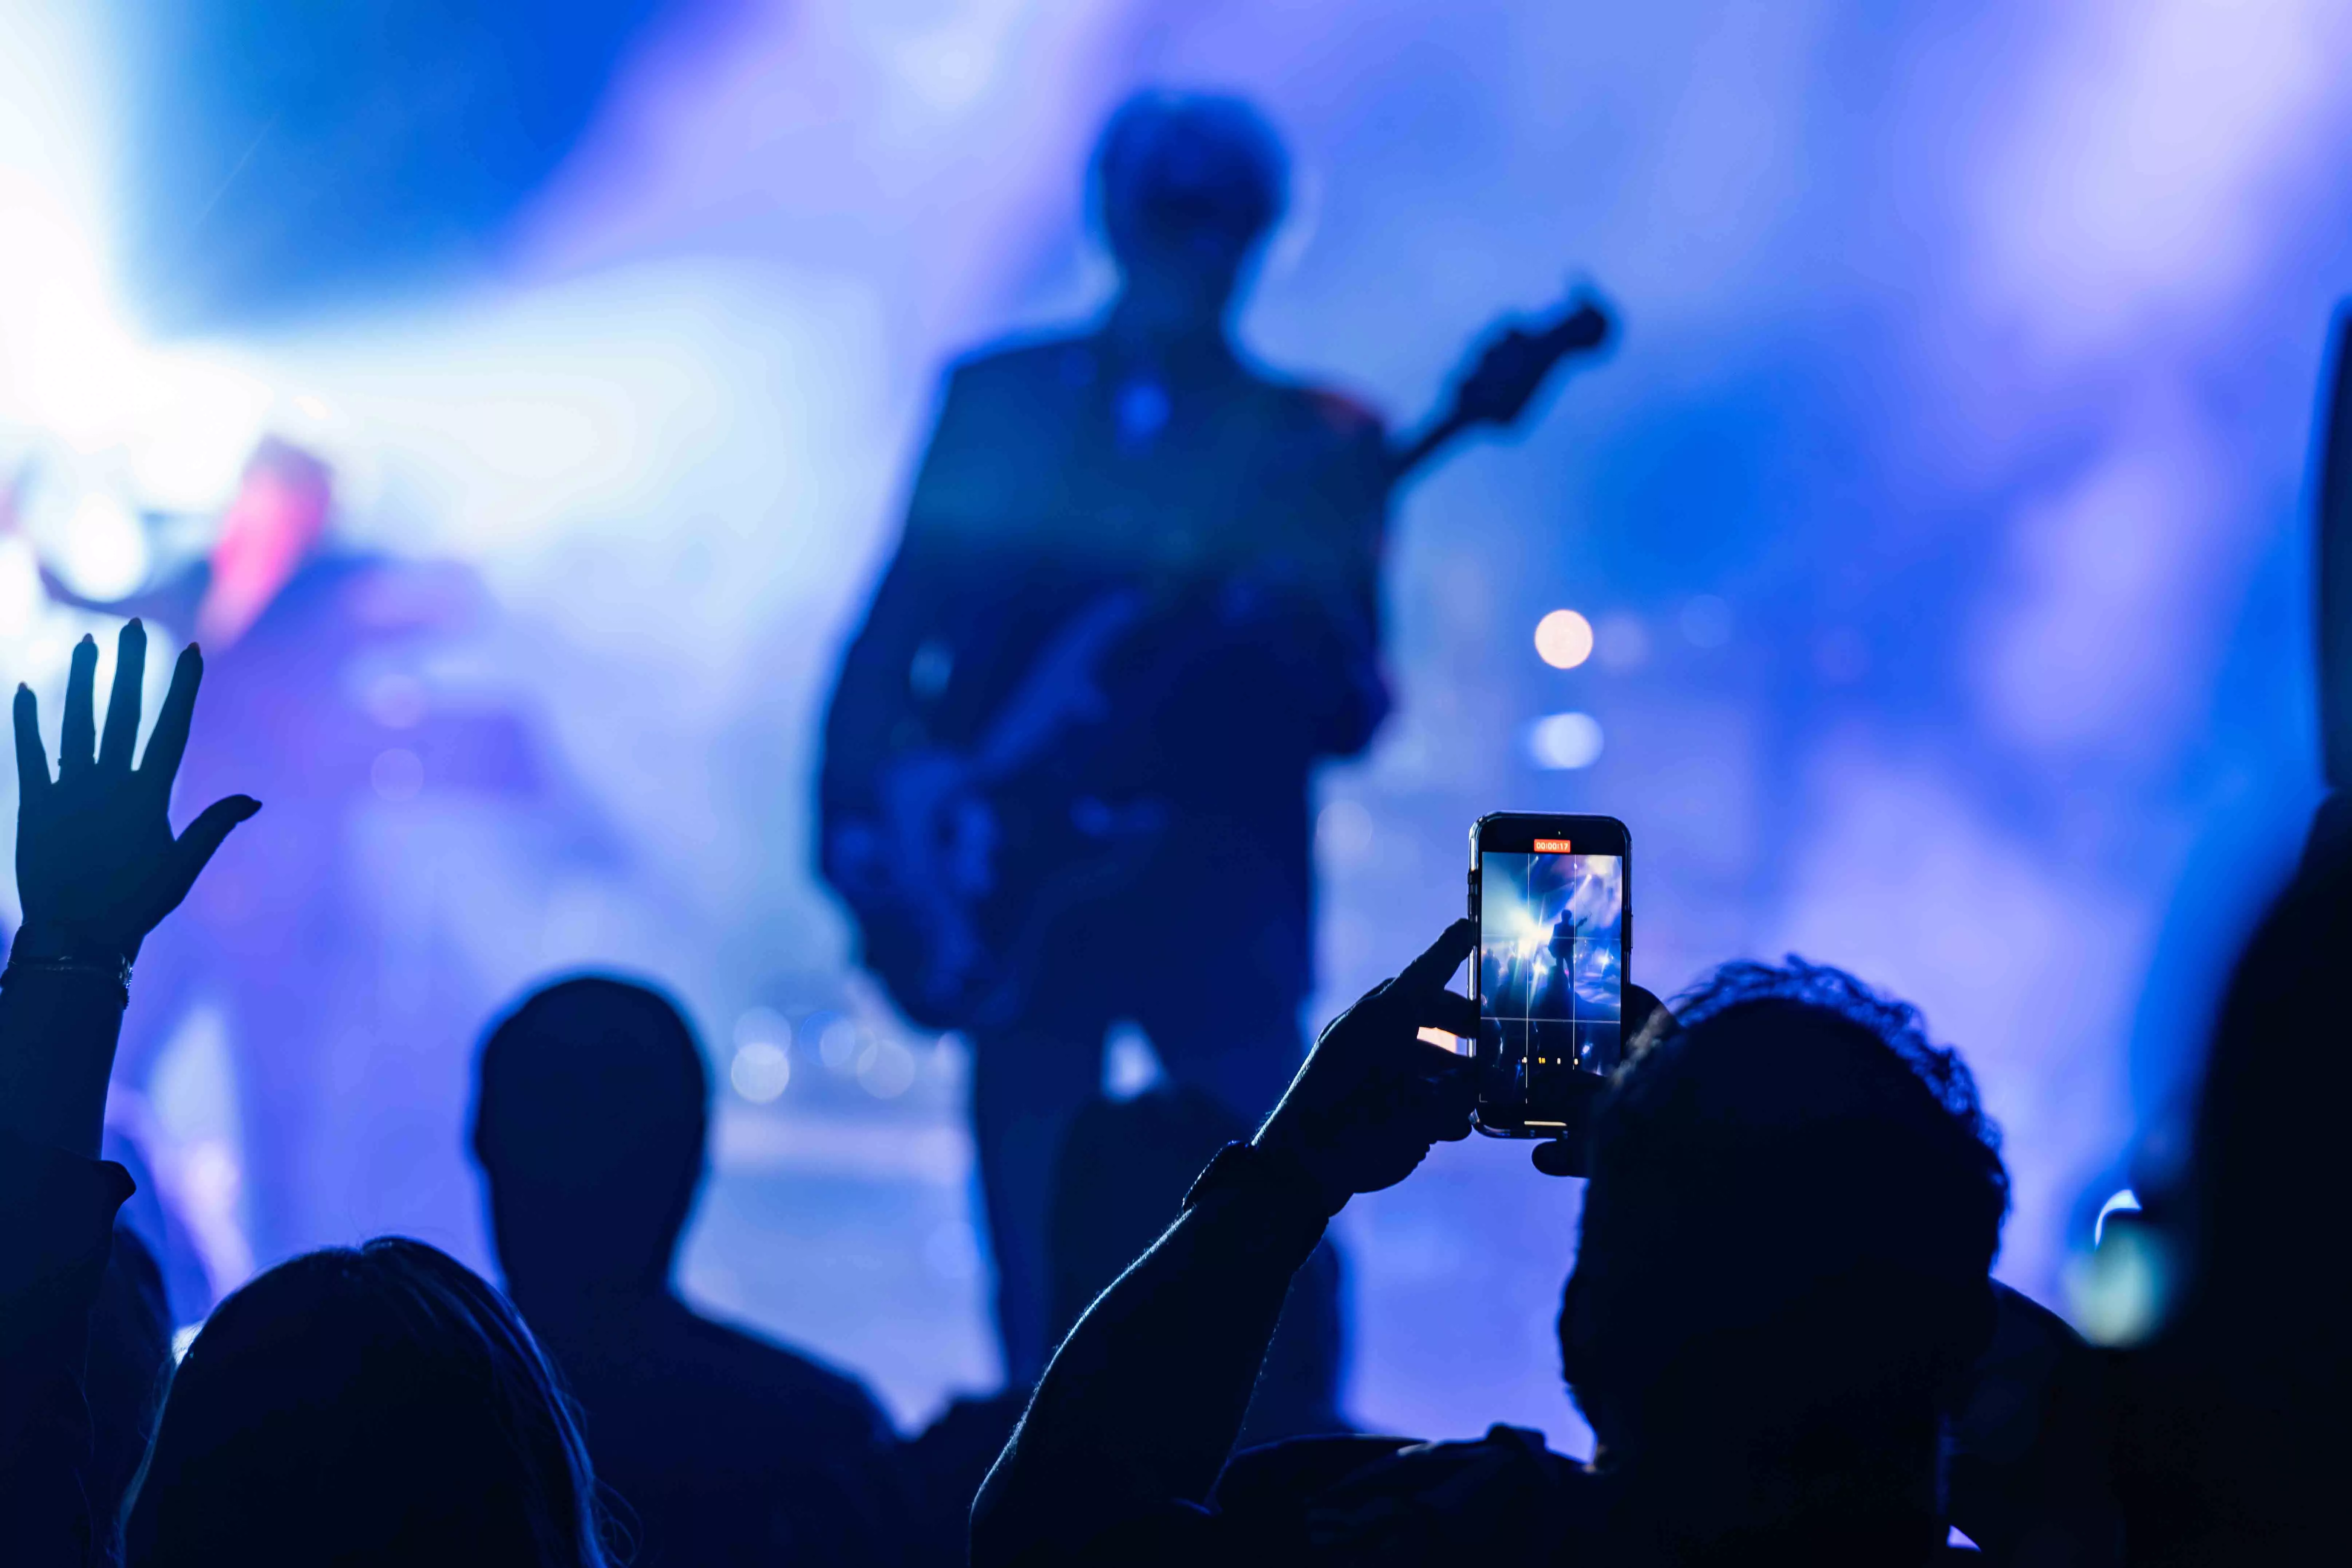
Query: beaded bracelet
point(116, 970)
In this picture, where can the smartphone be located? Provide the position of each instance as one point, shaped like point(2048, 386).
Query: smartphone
point(1552, 896)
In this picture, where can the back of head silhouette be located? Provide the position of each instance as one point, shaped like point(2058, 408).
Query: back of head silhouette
point(1188, 184)
point(1794, 1203)
point(377, 1406)
point(590, 1123)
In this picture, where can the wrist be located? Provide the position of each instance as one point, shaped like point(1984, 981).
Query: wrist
point(46, 940)
point(1270, 1172)
point(47, 949)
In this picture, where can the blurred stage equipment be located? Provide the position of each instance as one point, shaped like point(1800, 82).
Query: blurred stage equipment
point(283, 155)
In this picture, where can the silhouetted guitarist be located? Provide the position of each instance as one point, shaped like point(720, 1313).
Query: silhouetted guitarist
point(1135, 602)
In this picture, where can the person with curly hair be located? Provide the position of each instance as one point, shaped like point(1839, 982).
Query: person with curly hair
point(1793, 1205)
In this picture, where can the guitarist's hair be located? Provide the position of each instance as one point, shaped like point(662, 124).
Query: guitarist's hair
point(1189, 160)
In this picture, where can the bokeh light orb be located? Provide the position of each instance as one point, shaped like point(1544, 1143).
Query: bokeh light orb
point(1564, 639)
point(1563, 740)
point(759, 1071)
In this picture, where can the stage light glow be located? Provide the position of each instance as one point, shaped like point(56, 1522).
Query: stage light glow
point(763, 1025)
point(93, 539)
point(2125, 1201)
point(886, 1069)
point(22, 599)
point(397, 774)
point(839, 1041)
point(1130, 1067)
point(1564, 639)
point(2117, 1294)
point(952, 1250)
point(1621, 641)
point(1564, 740)
point(1344, 831)
point(759, 1071)
point(1706, 621)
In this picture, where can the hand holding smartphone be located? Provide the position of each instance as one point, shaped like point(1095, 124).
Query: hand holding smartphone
point(1552, 896)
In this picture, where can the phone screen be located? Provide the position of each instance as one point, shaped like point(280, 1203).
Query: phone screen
point(1552, 971)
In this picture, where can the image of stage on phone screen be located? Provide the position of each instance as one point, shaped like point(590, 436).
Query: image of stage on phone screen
point(1551, 964)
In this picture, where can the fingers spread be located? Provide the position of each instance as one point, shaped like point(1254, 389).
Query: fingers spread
point(122, 702)
point(32, 765)
point(170, 741)
point(80, 739)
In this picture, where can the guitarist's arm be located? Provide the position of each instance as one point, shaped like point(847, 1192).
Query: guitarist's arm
point(1356, 697)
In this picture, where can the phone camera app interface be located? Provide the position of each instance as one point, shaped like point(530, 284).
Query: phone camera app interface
point(1550, 966)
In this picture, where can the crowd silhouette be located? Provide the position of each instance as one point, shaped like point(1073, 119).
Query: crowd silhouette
point(1779, 1321)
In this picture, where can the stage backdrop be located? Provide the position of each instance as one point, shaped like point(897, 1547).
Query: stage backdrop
point(1940, 520)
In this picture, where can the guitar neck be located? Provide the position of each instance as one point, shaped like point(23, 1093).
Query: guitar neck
point(1406, 461)
point(1524, 362)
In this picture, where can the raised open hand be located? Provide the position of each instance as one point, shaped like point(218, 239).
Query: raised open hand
point(1373, 1096)
point(97, 864)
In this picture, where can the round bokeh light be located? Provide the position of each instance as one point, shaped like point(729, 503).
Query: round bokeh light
point(1564, 639)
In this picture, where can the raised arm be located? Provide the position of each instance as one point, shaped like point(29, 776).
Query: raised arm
point(97, 867)
point(1136, 1416)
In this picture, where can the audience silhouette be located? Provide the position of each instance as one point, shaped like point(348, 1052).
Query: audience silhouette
point(380, 1406)
point(591, 1124)
point(129, 1356)
point(1781, 1323)
point(1783, 1281)
point(2232, 1418)
point(371, 1406)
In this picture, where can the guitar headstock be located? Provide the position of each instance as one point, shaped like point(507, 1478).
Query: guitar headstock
point(1514, 366)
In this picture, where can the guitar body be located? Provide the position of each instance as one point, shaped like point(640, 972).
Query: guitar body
point(981, 863)
point(958, 879)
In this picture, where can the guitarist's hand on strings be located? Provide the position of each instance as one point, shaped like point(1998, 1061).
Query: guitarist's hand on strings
point(1373, 1096)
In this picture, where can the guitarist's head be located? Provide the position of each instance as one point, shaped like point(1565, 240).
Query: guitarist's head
point(1187, 186)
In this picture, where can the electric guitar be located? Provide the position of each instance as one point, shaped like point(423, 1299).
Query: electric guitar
point(969, 859)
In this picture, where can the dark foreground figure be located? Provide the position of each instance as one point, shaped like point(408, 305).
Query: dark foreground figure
point(723, 1448)
point(1782, 1283)
point(2233, 1436)
point(372, 1406)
